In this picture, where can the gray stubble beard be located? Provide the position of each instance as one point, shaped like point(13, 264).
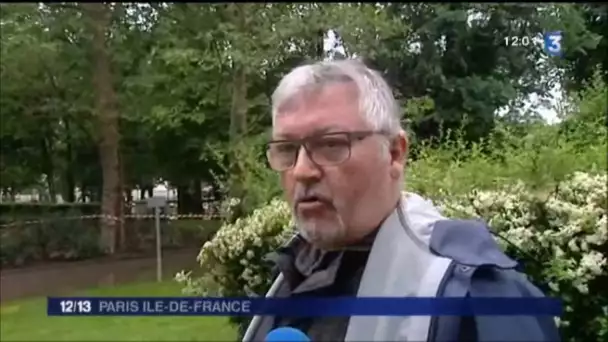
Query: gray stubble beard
point(327, 238)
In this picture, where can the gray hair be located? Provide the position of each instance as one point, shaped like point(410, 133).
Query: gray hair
point(376, 101)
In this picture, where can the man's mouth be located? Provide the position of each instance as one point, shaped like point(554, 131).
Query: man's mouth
point(312, 202)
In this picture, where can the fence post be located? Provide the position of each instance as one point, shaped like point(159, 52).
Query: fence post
point(157, 203)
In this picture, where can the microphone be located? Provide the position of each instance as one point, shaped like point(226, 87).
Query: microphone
point(286, 334)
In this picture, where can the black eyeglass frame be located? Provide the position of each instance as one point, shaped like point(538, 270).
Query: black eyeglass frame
point(352, 136)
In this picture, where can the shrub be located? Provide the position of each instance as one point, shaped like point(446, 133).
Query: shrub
point(586, 124)
point(51, 237)
point(241, 247)
point(562, 236)
point(541, 158)
point(247, 181)
point(67, 235)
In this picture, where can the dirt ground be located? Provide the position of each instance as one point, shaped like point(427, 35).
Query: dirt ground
point(64, 278)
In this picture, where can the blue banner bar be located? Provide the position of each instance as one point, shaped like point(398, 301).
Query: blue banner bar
point(302, 307)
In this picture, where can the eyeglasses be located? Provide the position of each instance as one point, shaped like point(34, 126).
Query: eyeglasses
point(324, 150)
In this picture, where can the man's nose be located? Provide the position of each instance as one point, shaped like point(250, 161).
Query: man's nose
point(305, 170)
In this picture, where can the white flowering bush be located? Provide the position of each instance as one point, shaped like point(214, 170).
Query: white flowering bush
point(564, 230)
point(229, 206)
point(233, 261)
point(562, 239)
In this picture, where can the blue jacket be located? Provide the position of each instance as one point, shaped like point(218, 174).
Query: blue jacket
point(483, 270)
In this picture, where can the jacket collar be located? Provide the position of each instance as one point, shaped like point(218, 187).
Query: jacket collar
point(467, 242)
point(306, 267)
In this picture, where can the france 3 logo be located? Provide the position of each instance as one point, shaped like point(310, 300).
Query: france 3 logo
point(553, 43)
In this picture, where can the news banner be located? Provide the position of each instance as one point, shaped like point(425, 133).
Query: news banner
point(302, 307)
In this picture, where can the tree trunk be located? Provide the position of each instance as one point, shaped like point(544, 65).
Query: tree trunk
point(83, 193)
point(120, 206)
point(238, 128)
point(49, 169)
point(189, 198)
point(107, 120)
point(12, 194)
point(182, 199)
point(146, 189)
point(238, 109)
point(70, 186)
point(197, 197)
point(70, 179)
point(320, 44)
point(129, 195)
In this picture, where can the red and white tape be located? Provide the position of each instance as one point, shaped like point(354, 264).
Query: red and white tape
point(113, 218)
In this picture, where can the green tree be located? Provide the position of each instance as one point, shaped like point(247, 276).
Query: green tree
point(584, 60)
point(472, 59)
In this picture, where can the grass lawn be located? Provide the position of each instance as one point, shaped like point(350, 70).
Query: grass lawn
point(26, 320)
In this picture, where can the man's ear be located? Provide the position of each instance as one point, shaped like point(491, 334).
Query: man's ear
point(398, 151)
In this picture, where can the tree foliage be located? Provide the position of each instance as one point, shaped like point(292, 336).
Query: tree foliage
point(189, 85)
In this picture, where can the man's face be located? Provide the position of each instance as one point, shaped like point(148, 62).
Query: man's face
point(338, 204)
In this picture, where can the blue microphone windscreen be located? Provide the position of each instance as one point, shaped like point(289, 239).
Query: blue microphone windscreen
point(286, 334)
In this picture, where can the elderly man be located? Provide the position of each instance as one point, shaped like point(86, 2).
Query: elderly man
point(341, 152)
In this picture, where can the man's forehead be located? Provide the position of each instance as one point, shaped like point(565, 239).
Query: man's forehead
point(317, 130)
point(332, 108)
point(318, 94)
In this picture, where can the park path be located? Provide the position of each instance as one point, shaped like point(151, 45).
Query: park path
point(64, 278)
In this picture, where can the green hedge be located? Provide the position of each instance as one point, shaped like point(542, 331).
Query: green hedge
point(22, 211)
point(32, 233)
